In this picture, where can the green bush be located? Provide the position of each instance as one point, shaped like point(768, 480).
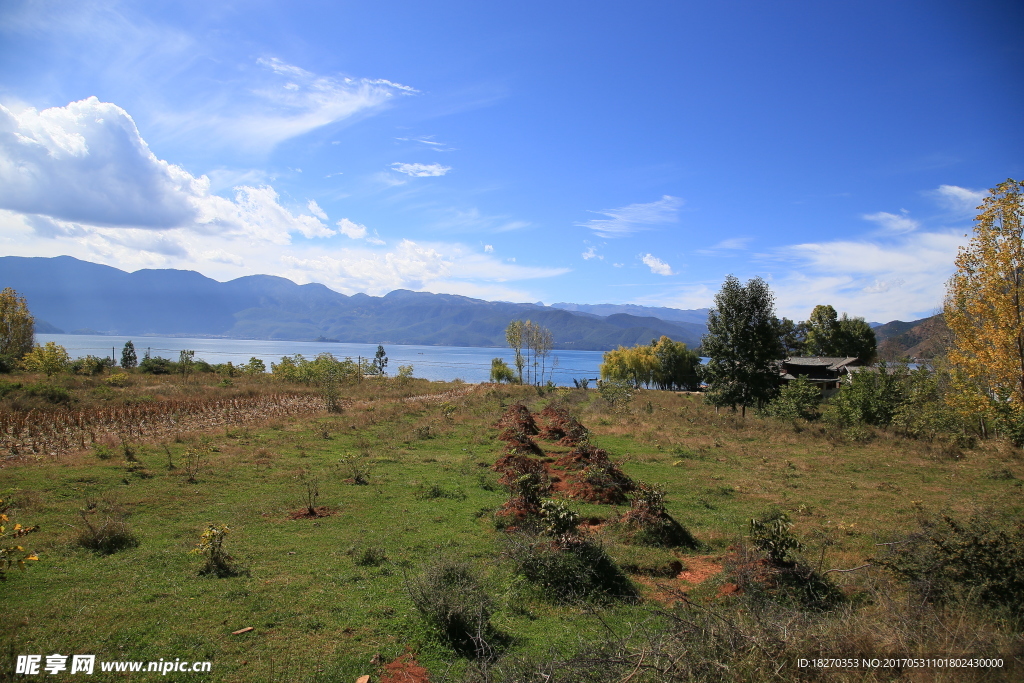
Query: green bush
point(648, 522)
point(797, 399)
point(569, 569)
point(49, 392)
point(451, 599)
point(155, 365)
point(975, 561)
point(773, 572)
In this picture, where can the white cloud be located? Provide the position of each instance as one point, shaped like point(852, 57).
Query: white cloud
point(86, 167)
point(960, 199)
point(657, 266)
point(590, 253)
point(893, 223)
point(488, 248)
point(627, 220)
point(733, 243)
point(351, 229)
point(421, 170)
point(315, 209)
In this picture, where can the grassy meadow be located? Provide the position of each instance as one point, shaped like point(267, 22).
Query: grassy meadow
point(401, 480)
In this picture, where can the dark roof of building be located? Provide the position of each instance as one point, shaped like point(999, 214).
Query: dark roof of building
point(821, 362)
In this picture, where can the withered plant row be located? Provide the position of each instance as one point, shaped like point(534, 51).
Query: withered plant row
point(56, 432)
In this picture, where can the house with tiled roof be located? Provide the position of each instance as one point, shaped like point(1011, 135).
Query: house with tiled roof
point(822, 370)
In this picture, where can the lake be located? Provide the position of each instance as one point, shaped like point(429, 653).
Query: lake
point(471, 364)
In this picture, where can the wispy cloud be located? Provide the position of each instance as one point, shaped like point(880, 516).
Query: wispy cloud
point(657, 266)
point(430, 143)
point(632, 218)
point(590, 253)
point(959, 199)
point(421, 170)
point(895, 224)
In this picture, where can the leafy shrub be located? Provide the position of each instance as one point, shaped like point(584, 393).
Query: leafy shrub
point(211, 545)
point(102, 451)
point(559, 518)
point(773, 572)
point(452, 600)
point(9, 388)
point(12, 554)
point(649, 523)
point(90, 365)
point(111, 535)
point(49, 392)
point(974, 560)
point(501, 372)
point(155, 365)
point(118, 379)
point(569, 569)
point(771, 534)
point(618, 393)
point(797, 399)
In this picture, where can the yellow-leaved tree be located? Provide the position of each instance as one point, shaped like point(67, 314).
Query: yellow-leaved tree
point(984, 307)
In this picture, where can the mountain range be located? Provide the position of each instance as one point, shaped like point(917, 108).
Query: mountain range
point(67, 294)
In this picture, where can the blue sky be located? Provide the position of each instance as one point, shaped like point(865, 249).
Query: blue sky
point(587, 152)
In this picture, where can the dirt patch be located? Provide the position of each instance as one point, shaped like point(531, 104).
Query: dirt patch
point(699, 568)
point(318, 512)
point(405, 669)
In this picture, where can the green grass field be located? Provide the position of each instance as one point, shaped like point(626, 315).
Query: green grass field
point(324, 595)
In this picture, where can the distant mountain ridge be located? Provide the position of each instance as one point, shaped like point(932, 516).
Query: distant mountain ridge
point(69, 294)
point(924, 338)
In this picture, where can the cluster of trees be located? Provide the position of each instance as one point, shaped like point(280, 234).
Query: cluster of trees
point(665, 364)
point(825, 333)
point(532, 344)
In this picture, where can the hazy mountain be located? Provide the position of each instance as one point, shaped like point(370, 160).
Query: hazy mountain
point(70, 294)
point(697, 316)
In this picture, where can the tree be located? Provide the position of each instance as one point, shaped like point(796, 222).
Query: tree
point(51, 359)
point(380, 361)
point(186, 361)
point(128, 358)
point(678, 367)
point(17, 328)
point(501, 372)
point(514, 338)
point(829, 335)
point(743, 345)
point(984, 305)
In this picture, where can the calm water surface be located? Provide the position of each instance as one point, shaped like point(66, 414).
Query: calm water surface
point(471, 364)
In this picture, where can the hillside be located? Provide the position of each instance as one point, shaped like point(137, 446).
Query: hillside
point(925, 338)
point(72, 295)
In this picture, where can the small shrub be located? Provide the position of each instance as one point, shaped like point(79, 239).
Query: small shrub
point(772, 572)
point(211, 545)
point(569, 569)
point(559, 518)
point(973, 561)
point(106, 538)
point(118, 379)
point(451, 599)
point(12, 554)
point(797, 399)
point(648, 522)
point(433, 491)
point(102, 451)
point(369, 556)
point(49, 392)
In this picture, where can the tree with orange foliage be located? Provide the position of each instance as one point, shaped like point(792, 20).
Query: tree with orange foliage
point(984, 305)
